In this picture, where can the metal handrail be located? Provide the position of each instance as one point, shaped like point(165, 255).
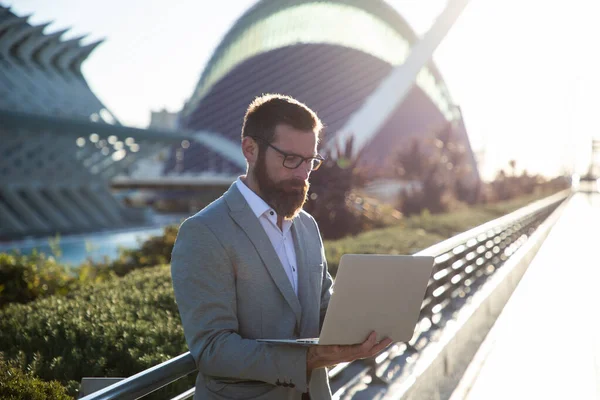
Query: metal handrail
point(457, 240)
point(147, 381)
point(488, 245)
point(185, 395)
point(492, 243)
point(462, 264)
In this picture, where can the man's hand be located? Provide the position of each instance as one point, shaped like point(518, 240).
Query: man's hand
point(327, 356)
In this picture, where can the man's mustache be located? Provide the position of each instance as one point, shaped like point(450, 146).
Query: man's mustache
point(294, 184)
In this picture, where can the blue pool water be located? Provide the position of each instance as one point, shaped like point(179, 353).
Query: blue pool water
point(77, 248)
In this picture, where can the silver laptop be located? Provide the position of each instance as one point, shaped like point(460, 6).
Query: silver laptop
point(381, 293)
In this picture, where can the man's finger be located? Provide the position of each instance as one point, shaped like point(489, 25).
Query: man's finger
point(378, 347)
point(381, 345)
point(353, 352)
point(369, 342)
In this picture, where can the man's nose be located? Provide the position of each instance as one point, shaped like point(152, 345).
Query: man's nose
point(303, 171)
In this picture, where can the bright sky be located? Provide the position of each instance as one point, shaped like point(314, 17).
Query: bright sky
point(523, 71)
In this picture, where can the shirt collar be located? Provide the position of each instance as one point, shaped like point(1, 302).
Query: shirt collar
point(258, 206)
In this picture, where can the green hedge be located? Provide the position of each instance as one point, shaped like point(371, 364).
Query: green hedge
point(18, 385)
point(114, 329)
point(154, 251)
point(24, 278)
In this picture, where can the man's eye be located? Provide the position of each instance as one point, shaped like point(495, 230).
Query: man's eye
point(293, 159)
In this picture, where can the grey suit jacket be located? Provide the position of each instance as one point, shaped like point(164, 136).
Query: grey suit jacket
point(231, 288)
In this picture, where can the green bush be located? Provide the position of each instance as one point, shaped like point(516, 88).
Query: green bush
point(24, 278)
point(18, 385)
point(438, 161)
point(154, 251)
point(90, 273)
point(114, 329)
point(331, 200)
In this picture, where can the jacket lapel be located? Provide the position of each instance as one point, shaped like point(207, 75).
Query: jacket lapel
point(243, 216)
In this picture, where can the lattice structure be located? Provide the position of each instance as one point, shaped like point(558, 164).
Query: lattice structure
point(54, 177)
point(42, 74)
point(55, 173)
point(59, 146)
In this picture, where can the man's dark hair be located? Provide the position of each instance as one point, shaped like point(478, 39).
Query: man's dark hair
point(269, 110)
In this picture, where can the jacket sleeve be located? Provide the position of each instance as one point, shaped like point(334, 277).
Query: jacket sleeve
point(204, 286)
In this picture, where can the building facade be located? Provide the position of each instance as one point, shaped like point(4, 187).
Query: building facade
point(59, 145)
point(328, 54)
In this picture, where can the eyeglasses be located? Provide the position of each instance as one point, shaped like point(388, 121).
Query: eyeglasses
point(293, 161)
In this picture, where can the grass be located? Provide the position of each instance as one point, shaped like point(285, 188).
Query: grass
point(421, 231)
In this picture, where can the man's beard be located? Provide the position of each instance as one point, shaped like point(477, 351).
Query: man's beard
point(286, 197)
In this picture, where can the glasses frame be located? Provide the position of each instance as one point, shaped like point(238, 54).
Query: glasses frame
point(285, 155)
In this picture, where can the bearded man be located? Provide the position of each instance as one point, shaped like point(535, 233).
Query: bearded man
point(251, 265)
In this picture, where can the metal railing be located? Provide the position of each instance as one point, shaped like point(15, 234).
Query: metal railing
point(462, 264)
point(148, 381)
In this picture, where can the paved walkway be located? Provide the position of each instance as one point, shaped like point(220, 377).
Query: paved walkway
point(546, 342)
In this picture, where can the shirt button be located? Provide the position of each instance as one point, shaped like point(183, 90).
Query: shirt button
point(272, 213)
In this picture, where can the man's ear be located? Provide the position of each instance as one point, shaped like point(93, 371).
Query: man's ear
point(250, 150)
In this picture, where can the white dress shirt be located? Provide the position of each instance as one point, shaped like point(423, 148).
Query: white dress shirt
point(282, 239)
